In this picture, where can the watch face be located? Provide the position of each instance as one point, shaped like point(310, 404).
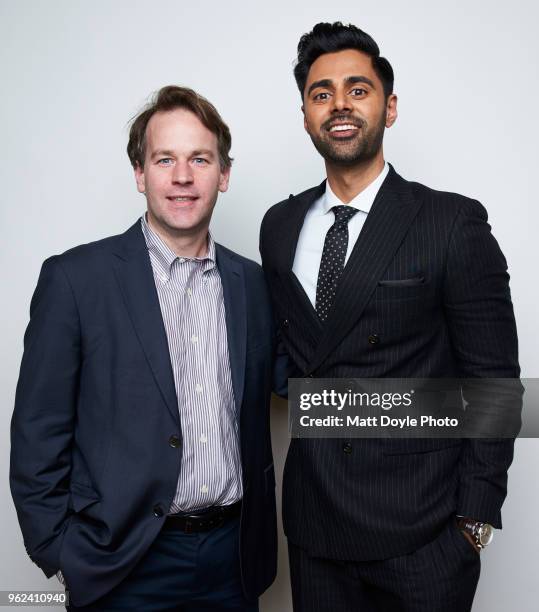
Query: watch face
point(486, 533)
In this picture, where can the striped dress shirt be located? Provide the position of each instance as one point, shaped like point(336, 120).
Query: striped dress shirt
point(192, 305)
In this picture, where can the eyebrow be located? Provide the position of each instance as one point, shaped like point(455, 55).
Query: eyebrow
point(162, 153)
point(169, 153)
point(351, 80)
point(207, 152)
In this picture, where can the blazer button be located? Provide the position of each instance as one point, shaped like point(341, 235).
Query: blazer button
point(158, 511)
point(374, 339)
point(174, 441)
point(347, 448)
point(285, 323)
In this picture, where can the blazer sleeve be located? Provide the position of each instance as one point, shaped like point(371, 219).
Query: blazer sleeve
point(44, 417)
point(483, 335)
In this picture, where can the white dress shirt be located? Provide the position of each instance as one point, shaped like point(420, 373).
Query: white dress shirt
point(318, 220)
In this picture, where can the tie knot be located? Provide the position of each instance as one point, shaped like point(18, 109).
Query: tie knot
point(343, 214)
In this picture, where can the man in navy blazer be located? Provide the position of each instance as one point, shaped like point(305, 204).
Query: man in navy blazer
point(141, 463)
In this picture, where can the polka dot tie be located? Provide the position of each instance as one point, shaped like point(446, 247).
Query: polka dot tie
point(332, 262)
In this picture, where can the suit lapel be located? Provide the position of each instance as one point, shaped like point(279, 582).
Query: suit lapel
point(385, 227)
point(297, 209)
point(134, 273)
point(233, 281)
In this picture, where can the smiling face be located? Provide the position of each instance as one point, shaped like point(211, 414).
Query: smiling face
point(345, 109)
point(181, 176)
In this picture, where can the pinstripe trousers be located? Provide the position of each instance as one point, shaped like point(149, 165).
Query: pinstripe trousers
point(441, 576)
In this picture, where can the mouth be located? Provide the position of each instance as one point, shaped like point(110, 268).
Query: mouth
point(182, 200)
point(343, 130)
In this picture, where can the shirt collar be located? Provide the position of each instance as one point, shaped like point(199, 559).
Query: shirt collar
point(164, 256)
point(363, 201)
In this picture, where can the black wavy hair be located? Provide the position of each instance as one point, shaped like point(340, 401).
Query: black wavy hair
point(332, 37)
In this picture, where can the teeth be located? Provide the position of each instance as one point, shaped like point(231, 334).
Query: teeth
point(183, 199)
point(342, 128)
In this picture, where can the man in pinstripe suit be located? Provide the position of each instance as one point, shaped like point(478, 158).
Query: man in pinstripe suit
point(375, 276)
point(141, 464)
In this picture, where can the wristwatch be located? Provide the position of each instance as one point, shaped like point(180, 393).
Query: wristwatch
point(482, 533)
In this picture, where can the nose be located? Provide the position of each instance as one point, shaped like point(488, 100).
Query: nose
point(340, 101)
point(183, 173)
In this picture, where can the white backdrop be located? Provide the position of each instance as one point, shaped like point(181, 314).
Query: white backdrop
point(73, 73)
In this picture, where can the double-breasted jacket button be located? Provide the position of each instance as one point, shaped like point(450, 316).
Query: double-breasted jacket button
point(374, 339)
point(347, 448)
point(158, 511)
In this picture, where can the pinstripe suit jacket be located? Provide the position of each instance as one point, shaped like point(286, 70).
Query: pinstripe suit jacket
point(428, 280)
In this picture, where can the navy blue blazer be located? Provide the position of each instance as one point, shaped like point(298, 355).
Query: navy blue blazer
point(92, 471)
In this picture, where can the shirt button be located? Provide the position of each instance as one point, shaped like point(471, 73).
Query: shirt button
point(199, 388)
point(194, 339)
point(182, 260)
point(158, 511)
point(189, 291)
point(374, 339)
point(347, 448)
point(203, 439)
point(174, 441)
point(204, 489)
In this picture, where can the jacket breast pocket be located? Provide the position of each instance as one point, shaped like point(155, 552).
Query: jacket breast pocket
point(402, 288)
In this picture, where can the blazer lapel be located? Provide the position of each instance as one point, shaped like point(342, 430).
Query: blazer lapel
point(233, 281)
point(297, 209)
point(385, 227)
point(134, 273)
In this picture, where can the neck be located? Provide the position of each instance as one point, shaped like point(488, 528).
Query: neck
point(183, 244)
point(347, 181)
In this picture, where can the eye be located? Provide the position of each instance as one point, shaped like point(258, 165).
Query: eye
point(358, 91)
point(165, 161)
point(200, 161)
point(321, 97)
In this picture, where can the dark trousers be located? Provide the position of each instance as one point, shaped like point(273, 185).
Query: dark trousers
point(184, 573)
point(439, 577)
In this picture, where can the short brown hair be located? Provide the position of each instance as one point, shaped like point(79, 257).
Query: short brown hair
point(170, 98)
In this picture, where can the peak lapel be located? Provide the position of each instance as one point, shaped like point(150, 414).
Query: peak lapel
point(135, 277)
point(297, 209)
point(385, 227)
point(233, 281)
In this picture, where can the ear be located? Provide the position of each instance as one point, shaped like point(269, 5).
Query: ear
point(391, 110)
point(304, 118)
point(139, 178)
point(224, 179)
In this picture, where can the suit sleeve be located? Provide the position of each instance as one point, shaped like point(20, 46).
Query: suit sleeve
point(44, 416)
point(484, 338)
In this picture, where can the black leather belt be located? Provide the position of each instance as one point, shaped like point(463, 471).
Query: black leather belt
point(202, 520)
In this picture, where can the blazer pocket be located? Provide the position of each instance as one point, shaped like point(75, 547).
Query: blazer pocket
point(402, 282)
point(82, 496)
